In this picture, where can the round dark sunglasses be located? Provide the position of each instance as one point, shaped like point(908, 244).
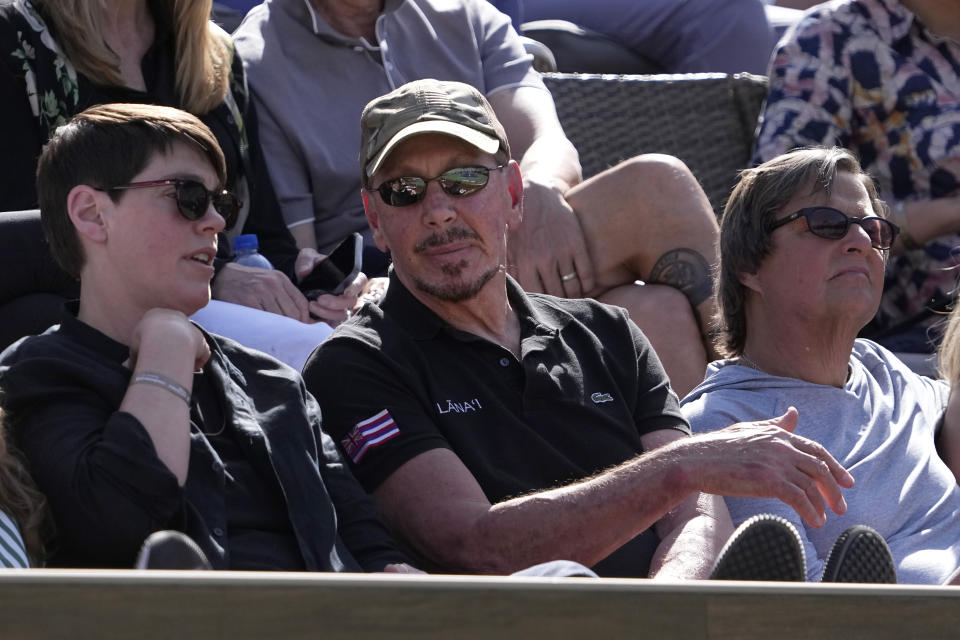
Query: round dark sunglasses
point(459, 183)
point(827, 222)
point(193, 198)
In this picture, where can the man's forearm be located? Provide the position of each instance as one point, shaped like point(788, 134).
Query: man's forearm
point(921, 221)
point(552, 159)
point(584, 521)
point(435, 503)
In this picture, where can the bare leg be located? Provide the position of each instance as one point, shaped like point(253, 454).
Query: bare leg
point(663, 314)
point(648, 219)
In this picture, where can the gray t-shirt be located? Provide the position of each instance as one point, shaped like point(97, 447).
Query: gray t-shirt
point(880, 426)
point(310, 84)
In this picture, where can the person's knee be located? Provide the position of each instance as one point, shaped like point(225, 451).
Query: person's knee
point(655, 170)
point(668, 203)
point(662, 181)
point(634, 213)
point(642, 182)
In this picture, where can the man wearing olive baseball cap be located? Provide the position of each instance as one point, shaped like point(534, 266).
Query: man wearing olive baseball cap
point(620, 248)
point(460, 391)
point(645, 219)
point(429, 106)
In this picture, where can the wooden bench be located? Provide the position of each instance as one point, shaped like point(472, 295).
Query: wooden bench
point(708, 120)
point(142, 604)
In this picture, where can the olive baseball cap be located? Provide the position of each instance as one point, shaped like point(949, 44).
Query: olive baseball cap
point(427, 106)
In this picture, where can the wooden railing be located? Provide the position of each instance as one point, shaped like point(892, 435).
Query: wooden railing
point(153, 604)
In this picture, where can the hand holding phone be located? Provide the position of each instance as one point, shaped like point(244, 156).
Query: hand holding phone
point(334, 273)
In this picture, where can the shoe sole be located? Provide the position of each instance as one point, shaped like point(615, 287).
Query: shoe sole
point(860, 554)
point(765, 547)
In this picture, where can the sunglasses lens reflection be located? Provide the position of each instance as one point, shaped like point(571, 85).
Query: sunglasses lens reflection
point(459, 182)
point(464, 181)
point(403, 192)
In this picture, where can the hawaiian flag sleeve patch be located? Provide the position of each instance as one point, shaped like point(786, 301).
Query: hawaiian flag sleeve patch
point(369, 433)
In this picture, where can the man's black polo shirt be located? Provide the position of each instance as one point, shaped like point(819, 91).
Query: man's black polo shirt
point(398, 381)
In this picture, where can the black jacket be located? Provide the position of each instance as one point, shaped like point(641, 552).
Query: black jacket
point(108, 490)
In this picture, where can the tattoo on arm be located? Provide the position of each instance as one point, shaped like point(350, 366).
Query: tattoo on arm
point(686, 270)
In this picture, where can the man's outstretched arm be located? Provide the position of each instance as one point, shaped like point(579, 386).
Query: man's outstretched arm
point(435, 504)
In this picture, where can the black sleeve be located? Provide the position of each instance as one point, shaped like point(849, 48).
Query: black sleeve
point(657, 406)
point(358, 524)
point(19, 131)
point(354, 383)
point(106, 487)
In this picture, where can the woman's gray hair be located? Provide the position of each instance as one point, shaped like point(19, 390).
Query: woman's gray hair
point(760, 194)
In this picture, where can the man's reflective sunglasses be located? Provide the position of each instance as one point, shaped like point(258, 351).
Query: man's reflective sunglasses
point(459, 183)
point(193, 198)
point(827, 222)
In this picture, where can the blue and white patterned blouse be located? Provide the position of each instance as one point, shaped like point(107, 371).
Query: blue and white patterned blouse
point(13, 553)
point(867, 75)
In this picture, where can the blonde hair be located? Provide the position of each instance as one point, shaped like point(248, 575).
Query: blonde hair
point(950, 349)
point(203, 52)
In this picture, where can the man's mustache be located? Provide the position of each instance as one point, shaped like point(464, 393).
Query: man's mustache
point(445, 237)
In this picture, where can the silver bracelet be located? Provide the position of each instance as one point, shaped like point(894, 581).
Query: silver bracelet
point(159, 380)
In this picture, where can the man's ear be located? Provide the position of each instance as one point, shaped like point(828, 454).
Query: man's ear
point(373, 219)
point(515, 189)
point(84, 209)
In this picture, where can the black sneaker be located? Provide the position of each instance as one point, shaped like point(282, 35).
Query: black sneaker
point(765, 547)
point(171, 550)
point(860, 554)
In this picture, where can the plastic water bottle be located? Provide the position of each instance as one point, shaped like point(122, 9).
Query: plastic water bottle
point(245, 249)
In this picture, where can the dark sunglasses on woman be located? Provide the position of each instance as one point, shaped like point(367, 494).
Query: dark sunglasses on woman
point(459, 183)
point(193, 198)
point(830, 223)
